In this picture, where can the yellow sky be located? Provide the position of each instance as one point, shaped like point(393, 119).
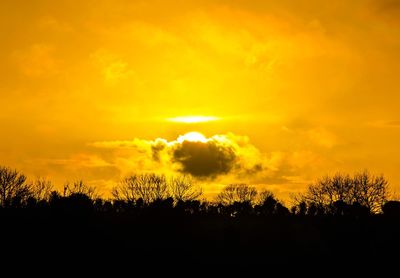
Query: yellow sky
point(299, 89)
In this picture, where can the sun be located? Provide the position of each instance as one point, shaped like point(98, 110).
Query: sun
point(193, 119)
point(192, 137)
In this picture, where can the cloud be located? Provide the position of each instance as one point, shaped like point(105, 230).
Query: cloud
point(204, 159)
point(82, 160)
point(216, 161)
point(323, 137)
point(200, 157)
point(113, 68)
point(37, 61)
point(219, 159)
point(388, 9)
point(393, 123)
point(84, 166)
point(384, 124)
point(76, 72)
point(93, 169)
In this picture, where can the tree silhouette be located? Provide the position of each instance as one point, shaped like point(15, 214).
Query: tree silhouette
point(370, 191)
point(14, 189)
point(41, 189)
point(148, 187)
point(183, 188)
point(237, 193)
point(363, 188)
point(162, 220)
point(269, 205)
point(265, 195)
point(79, 187)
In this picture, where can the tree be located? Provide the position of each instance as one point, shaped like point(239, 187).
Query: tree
point(237, 193)
point(265, 195)
point(81, 188)
point(363, 189)
point(14, 189)
point(269, 205)
point(370, 191)
point(147, 187)
point(183, 188)
point(41, 189)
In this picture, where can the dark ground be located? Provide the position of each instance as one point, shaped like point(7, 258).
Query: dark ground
point(149, 240)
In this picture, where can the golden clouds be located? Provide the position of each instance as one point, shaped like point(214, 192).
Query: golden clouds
point(216, 160)
point(37, 61)
point(312, 84)
point(191, 153)
point(112, 67)
point(323, 137)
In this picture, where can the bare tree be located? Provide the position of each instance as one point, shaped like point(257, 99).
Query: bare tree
point(184, 188)
point(370, 191)
point(148, 187)
point(363, 188)
point(79, 187)
point(237, 193)
point(264, 195)
point(41, 189)
point(329, 190)
point(13, 187)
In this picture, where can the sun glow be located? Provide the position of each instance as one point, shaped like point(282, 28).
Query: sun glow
point(192, 137)
point(193, 119)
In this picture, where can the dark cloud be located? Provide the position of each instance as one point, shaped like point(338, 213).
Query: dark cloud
point(253, 170)
point(156, 149)
point(388, 6)
point(387, 10)
point(207, 159)
point(223, 156)
point(393, 123)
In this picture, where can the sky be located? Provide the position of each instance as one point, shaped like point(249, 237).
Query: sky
point(289, 91)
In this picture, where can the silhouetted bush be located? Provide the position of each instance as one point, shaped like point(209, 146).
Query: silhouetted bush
point(269, 205)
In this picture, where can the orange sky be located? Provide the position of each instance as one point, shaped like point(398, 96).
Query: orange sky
point(296, 89)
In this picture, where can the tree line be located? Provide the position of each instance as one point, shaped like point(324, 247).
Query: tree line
point(338, 195)
point(152, 220)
